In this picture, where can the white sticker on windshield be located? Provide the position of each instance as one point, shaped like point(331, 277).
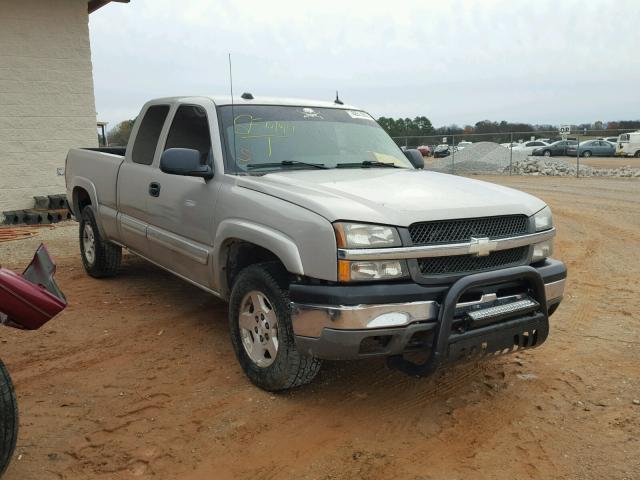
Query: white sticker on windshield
point(311, 113)
point(359, 115)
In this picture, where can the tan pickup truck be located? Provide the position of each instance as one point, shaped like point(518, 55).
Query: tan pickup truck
point(326, 239)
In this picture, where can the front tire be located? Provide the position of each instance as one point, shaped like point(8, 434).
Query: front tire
point(547, 153)
point(8, 419)
point(261, 331)
point(586, 154)
point(100, 257)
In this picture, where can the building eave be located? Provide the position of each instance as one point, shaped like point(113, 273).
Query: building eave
point(94, 5)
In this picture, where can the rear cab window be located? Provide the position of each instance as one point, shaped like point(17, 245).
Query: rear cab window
point(190, 129)
point(146, 139)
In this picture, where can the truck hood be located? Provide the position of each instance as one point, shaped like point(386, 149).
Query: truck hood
point(391, 196)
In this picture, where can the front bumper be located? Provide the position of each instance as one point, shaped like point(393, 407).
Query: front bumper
point(347, 322)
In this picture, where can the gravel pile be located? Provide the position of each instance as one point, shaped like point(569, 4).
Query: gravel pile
point(489, 157)
point(553, 167)
point(481, 157)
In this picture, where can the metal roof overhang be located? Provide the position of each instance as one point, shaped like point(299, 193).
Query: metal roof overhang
point(94, 5)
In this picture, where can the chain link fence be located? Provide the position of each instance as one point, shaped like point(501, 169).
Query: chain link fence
point(587, 153)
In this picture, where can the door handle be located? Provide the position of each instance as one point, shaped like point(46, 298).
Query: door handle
point(154, 189)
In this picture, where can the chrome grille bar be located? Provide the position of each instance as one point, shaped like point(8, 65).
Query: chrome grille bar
point(440, 250)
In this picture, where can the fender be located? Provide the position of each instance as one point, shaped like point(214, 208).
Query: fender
point(90, 188)
point(278, 243)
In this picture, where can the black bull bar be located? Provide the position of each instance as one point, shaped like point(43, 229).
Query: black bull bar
point(518, 332)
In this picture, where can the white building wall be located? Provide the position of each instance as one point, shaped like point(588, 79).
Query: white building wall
point(46, 95)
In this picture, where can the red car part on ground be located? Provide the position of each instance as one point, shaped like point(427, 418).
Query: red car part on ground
point(30, 300)
point(27, 301)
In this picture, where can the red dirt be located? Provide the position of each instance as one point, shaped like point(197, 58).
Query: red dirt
point(137, 379)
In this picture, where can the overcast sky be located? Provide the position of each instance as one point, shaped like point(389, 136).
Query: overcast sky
point(453, 61)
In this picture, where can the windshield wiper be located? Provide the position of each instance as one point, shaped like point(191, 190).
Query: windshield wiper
point(368, 163)
point(285, 163)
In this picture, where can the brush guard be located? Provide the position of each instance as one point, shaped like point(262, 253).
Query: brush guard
point(501, 328)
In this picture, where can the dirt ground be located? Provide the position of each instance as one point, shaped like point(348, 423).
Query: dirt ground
point(137, 379)
point(605, 162)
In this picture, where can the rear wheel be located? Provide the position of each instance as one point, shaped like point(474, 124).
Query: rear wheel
point(8, 418)
point(637, 154)
point(100, 257)
point(261, 332)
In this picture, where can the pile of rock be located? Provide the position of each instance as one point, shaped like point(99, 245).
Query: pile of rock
point(481, 157)
point(553, 167)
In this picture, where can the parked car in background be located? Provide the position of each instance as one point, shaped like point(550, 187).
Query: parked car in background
point(628, 145)
point(509, 145)
point(463, 144)
point(529, 147)
point(425, 150)
point(596, 148)
point(555, 148)
point(441, 151)
point(613, 140)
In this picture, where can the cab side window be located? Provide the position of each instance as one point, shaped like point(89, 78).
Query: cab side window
point(147, 137)
point(190, 129)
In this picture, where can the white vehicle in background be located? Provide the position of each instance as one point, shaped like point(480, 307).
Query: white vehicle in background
point(463, 144)
point(628, 145)
point(529, 147)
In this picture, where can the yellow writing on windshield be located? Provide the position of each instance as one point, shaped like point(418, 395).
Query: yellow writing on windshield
point(250, 127)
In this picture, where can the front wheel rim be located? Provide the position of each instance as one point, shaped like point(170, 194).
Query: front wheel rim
point(89, 244)
point(258, 324)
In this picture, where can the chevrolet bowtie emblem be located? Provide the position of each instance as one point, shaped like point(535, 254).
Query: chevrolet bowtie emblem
point(481, 247)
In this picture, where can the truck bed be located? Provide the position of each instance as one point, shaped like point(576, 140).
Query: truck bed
point(112, 150)
point(97, 166)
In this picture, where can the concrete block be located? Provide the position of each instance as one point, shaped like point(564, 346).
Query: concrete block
point(41, 202)
point(58, 201)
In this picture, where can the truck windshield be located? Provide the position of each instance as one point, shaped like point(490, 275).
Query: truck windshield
point(269, 138)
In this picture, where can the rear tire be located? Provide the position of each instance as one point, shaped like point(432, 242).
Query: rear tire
point(637, 154)
point(8, 419)
point(100, 257)
point(266, 352)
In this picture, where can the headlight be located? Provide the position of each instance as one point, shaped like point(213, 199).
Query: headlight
point(362, 271)
point(543, 219)
point(359, 235)
point(542, 250)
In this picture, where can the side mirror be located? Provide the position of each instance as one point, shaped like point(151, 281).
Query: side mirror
point(415, 157)
point(184, 161)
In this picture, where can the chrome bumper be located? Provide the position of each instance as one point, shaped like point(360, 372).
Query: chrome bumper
point(309, 320)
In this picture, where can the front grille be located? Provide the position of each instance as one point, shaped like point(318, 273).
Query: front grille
point(459, 264)
point(459, 231)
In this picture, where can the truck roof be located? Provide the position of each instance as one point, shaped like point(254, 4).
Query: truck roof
point(259, 100)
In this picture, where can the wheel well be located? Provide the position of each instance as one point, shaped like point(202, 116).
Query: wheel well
point(241, 254)
point(81, 199)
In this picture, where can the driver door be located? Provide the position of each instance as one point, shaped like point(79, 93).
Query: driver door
point(181, 214)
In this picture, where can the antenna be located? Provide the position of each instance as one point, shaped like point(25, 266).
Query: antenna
point(233, 119)
point(337, 100)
